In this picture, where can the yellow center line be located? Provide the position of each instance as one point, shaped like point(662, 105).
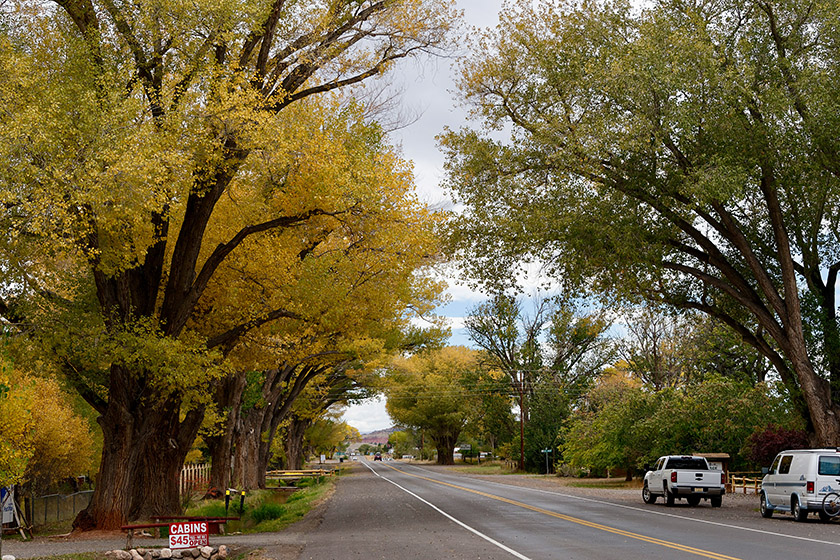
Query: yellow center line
point(578, 521)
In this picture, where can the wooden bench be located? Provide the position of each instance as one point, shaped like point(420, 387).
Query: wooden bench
point(213, 525)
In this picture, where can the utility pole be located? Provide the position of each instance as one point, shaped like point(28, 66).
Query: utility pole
point(521, 420)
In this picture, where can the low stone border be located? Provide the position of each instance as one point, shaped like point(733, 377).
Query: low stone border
point(203, 553)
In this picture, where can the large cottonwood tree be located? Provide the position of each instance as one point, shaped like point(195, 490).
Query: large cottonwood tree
point(684, 153)
point(126, 126)
point(430, 392)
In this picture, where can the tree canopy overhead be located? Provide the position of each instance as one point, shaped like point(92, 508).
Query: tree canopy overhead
point(683, 153)
point(164, 195)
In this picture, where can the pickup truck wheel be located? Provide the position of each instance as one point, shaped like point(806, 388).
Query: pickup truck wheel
point(717, 501)
point(669, 498)
point(765, 510)
point(693, 500)
point(647, 497)
point(799, 514)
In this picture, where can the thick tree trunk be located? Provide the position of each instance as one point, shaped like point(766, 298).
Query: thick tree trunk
point(445, 445)
point(143, 452)
point(229, 398)
point(294, 442)
point(816, 392)
point(246, 461)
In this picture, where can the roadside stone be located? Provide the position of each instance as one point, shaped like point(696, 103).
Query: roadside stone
point(8, 557)
point(135, 555)
point(223, 552)
point(165, 553)
point(206, 551)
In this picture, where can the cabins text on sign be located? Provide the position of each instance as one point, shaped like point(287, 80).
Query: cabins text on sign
point(188, 534)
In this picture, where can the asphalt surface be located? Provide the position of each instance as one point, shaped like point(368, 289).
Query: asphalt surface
point(401, 511)
point(532, 523)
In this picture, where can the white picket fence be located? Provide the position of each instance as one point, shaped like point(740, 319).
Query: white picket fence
point(195, 477)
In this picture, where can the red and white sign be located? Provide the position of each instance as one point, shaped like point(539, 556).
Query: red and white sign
point(188, 534)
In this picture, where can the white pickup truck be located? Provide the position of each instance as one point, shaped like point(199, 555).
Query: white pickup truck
point(684, 476)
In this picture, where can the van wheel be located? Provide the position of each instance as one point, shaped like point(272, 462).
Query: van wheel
point(799, 514)
point(765, 510)
point(647, 496)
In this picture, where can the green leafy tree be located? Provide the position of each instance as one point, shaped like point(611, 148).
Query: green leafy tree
point(627, 426)
point(550, 359)
point(403, 442)
point(605, 433)
point(684, 154)
point(428, 392)
point(664, 350)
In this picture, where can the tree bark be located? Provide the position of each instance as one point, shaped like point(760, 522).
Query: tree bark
point(445, 445)
point(143, 453)
point(294, 442)
point(229, 398)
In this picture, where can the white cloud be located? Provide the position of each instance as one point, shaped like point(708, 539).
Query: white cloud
point(368, 416)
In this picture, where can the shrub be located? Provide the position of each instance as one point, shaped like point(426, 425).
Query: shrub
point(265, 512)
point(762, 446)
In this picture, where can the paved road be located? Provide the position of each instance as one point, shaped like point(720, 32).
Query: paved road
point(405, 512)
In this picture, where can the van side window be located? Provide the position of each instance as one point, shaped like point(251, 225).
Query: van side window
point(784, 466)
point(829, 466)
point(775, 464)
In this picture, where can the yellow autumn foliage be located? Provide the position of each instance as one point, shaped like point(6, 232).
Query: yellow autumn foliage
point(42, 440)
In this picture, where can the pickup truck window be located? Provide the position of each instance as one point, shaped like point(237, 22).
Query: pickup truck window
point(829, 466)
point(687, 463)
point(784, 466)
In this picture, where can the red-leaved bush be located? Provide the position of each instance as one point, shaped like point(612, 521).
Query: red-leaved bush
point(762, 446)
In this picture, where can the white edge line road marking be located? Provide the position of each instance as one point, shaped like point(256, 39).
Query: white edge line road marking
point(613, 504)
point(446, 515)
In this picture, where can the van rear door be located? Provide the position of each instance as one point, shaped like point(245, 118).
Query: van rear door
point(828, 474)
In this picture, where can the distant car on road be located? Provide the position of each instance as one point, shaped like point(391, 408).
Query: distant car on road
point(377, 457)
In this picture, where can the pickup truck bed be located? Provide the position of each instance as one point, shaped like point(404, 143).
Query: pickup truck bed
point(683, 476)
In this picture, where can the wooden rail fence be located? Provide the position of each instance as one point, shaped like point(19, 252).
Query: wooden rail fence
point(743, 484)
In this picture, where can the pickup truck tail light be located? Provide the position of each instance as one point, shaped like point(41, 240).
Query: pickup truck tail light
point(723, 478)
point(673, 476)
point(810, 487)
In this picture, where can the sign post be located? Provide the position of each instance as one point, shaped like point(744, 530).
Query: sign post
point(546, 451)
point(189, 534)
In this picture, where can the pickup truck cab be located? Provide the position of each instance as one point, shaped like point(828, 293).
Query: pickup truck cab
point(799, 481)
point(684, 476)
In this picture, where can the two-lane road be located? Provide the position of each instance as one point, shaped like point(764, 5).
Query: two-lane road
point(397, 510)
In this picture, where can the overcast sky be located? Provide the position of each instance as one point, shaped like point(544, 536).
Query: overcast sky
point(428, 88)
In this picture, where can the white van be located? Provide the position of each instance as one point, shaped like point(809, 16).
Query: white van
point(799, 481)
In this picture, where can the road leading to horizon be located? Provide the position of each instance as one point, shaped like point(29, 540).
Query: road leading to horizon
point(404, 511)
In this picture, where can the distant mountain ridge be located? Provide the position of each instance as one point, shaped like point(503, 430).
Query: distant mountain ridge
point(379, 436)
